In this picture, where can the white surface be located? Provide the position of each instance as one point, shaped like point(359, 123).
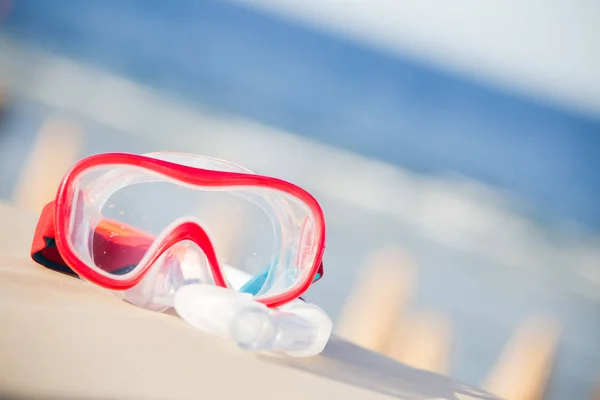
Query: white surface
point(72, 340)
point(549, 49)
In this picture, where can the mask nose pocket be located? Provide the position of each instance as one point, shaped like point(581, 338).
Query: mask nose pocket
point(182, 264)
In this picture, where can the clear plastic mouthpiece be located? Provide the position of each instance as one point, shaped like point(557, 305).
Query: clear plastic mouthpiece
point(297, 329)
point(259, 329)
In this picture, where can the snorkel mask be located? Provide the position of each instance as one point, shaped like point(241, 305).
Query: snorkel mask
point(144, 226)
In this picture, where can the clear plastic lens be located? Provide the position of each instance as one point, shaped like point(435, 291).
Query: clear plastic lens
point(120, 211)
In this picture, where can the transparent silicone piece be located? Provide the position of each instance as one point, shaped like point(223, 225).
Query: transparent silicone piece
point(257, 329)
point(264, 233)
point(182, 265)
point(211, 308)
point(299, 329)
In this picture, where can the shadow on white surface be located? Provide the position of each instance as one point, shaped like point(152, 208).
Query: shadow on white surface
point(353, 365)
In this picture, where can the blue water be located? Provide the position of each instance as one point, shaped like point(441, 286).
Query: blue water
point(240, 61)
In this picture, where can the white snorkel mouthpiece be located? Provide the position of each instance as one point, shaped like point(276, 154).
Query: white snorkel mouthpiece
point(297, 329)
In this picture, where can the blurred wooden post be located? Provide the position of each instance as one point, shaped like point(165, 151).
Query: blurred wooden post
point(379, 299)
point(423, 341)
point(524, 367)
point(596, 394)
point(55, 150)
point(2, 102)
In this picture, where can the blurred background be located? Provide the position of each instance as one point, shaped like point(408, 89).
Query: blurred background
point(455, 150)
